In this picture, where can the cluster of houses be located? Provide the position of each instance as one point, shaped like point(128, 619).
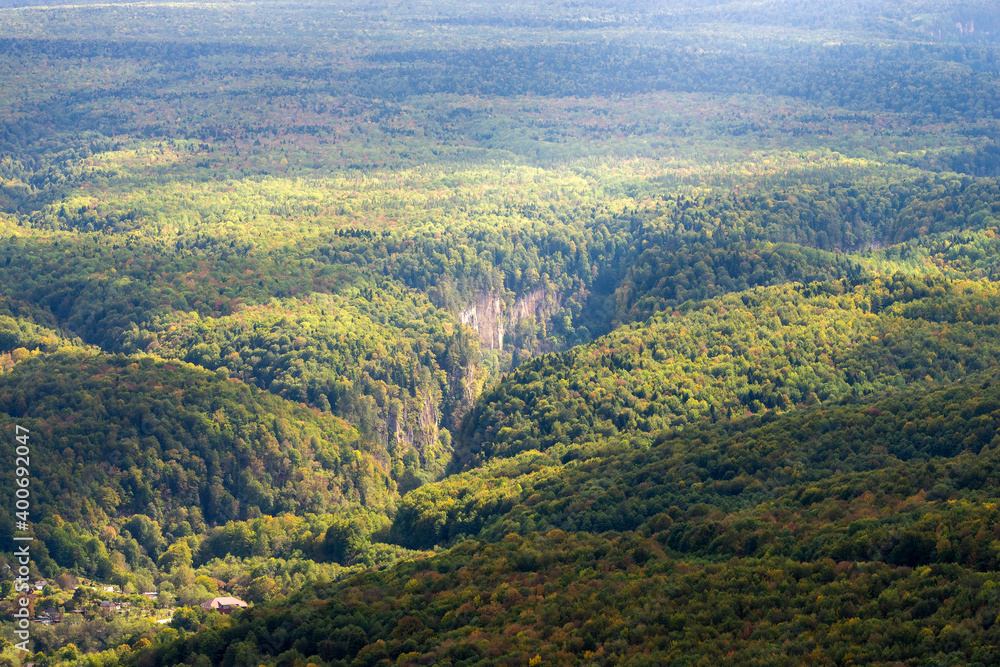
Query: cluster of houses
point(50, 615)
point(223, 605)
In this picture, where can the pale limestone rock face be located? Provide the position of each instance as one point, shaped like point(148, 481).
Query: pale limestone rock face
point(491, 320)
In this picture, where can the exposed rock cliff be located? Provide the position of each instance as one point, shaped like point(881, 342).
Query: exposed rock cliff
point(485, 317)
point(490, 317)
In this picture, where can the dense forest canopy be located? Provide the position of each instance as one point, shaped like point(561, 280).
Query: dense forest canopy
point(592, 333)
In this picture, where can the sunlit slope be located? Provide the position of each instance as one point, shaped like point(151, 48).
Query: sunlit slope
point(116, 438)
point(823, 454)
point(870, 516)
point(765, 350)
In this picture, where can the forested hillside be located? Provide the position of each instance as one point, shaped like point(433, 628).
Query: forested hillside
point(587, 333)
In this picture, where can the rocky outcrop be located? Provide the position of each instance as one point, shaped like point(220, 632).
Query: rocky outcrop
point(490, 318)
point(533, 304)
point(485, 317)
point(411, 423)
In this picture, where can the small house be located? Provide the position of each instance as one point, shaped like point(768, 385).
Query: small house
point(223, 604)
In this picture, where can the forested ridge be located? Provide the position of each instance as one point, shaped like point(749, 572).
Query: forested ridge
point(586, 334)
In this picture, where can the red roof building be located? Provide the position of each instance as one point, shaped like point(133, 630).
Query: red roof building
point(225, 604)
